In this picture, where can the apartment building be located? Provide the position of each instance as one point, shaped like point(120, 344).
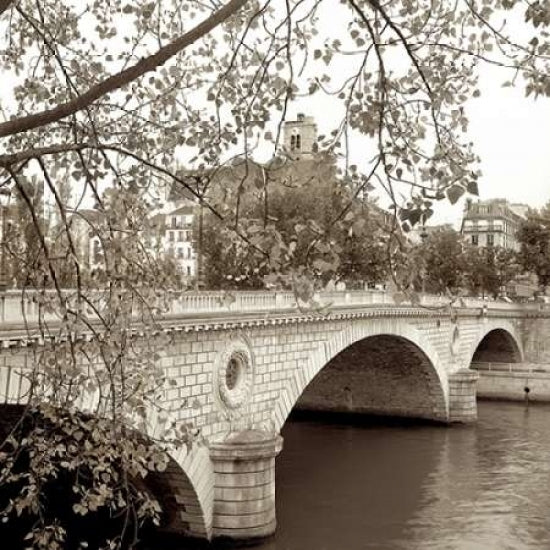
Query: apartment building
point(492, 222)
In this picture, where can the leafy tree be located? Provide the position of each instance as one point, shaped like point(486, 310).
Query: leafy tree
point(441, 261)
point(109, 94)
point(313, 222)
point(489, 269)
point(24, 254)
point(534, 238)
point(288, 206)
point(367, 243)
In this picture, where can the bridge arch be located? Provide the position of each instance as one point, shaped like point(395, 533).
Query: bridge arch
point(358, 336)
point(185, 492)
point(184, 489)
point(497, 341)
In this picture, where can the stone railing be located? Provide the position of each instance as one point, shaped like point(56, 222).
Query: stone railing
point(17, 307)
point(264, 301)
point(519, 368)
point(243, 302)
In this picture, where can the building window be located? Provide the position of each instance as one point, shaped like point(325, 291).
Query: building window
point(295, 142)
point(490, 239)
point(174, 221)
point(189, 253)
point(180, 252)
point(188, 270)
point(475, 240)
point(180, 235)
point(171, 236)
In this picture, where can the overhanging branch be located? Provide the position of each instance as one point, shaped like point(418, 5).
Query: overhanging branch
point(4, 5)
point(117, 81)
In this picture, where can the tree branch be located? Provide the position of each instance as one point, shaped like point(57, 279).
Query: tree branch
point(22, 156)
point(4, 5)
point(118, 80)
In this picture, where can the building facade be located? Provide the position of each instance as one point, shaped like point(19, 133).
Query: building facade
point(493, 222)
point(178, 240)
point(168, 233)
point(300, 135)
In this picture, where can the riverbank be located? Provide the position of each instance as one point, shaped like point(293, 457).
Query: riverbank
point(513, 382)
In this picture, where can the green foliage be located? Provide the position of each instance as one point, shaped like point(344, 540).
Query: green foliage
point(534, 239)
point(488, 270)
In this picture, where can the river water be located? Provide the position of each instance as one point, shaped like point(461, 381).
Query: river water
point(385, 485)
point(416, 487)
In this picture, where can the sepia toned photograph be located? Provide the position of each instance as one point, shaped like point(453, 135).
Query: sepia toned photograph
point(274, 274)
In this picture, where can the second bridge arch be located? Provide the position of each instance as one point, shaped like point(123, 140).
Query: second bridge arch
point(382, 375)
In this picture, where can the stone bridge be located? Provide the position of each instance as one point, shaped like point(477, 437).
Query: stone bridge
point(240, 363)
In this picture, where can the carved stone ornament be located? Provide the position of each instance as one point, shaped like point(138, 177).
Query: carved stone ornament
point(234, 374)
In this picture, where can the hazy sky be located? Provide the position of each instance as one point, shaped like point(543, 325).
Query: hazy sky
point(512, 136)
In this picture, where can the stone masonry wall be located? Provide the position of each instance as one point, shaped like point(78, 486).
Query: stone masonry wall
point(536, 340)
point(281, 357)
point(382, 375)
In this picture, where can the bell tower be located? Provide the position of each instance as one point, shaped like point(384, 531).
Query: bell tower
point(300, 135)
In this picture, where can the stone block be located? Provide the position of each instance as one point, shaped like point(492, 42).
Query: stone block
point(244, 521)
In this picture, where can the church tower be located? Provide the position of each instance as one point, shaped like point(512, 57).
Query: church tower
point(300, 135)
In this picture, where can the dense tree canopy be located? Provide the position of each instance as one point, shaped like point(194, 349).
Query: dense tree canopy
point(120, 93)
point(489, 269)
point(441, 261)
point(534, 238)
point(316, 228)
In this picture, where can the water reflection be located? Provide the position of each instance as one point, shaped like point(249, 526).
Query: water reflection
point(490, 489)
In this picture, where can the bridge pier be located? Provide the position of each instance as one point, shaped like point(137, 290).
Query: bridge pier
point(244, 485)
point(462, 396)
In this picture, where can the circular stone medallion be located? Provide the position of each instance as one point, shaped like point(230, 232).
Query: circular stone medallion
point(234, 374)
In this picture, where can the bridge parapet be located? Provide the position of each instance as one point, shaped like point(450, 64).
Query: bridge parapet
point(19, 307)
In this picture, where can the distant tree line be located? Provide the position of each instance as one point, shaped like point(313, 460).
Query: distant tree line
point(357, 250)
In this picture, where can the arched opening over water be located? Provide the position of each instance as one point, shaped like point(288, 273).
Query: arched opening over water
point(181, 509)
point(497, 346)
point(383, 375)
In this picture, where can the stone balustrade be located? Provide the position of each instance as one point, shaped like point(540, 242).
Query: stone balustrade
point(519, 368)
point(26, 307)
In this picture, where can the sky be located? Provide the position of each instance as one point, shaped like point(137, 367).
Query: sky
point(511, 135)
point(510, 132)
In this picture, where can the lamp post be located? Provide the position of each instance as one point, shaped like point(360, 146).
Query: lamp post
point(4, 200)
